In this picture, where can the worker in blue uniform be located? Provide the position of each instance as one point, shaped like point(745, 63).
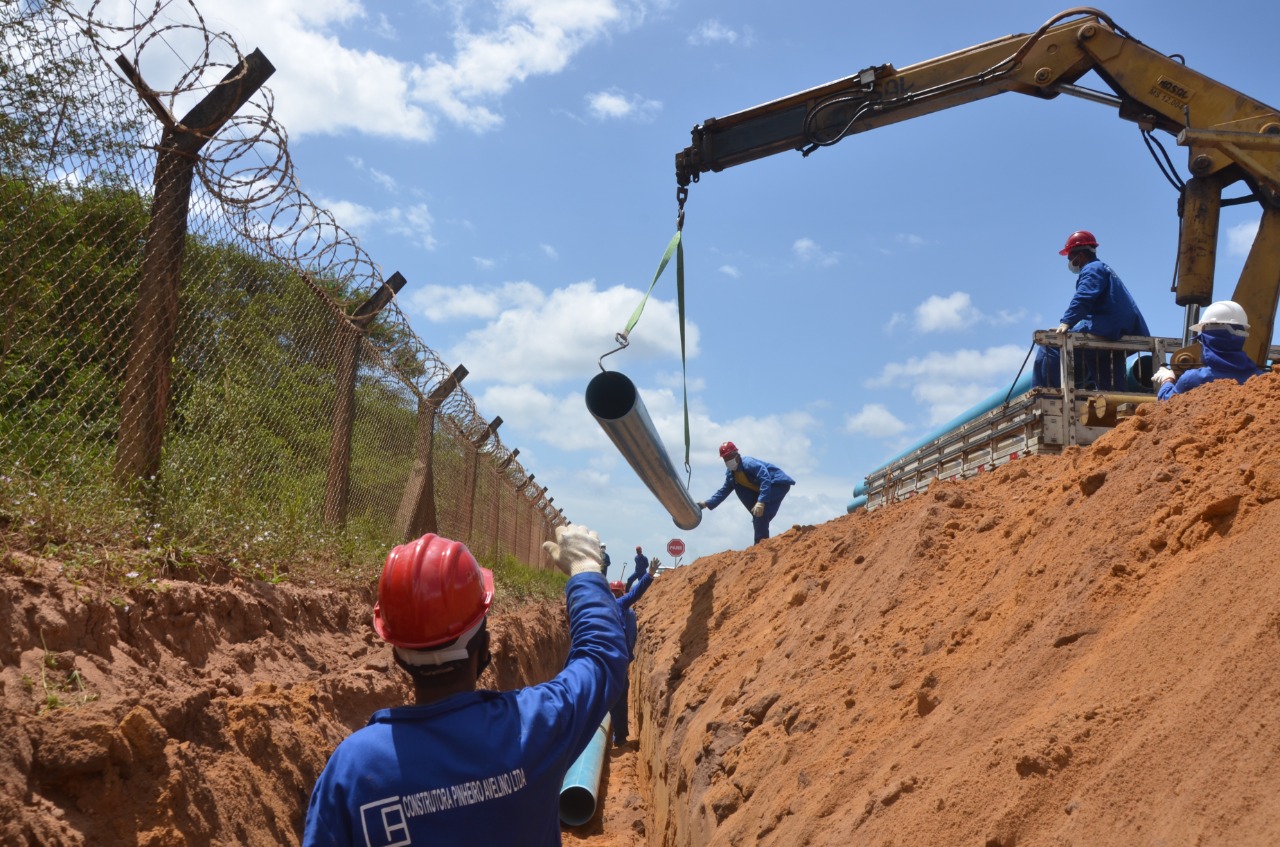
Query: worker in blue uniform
point(1101, 306)
point(759, 485)
point(642, 566)
point(1222, 330)
point(460, 765)
point(621, 728)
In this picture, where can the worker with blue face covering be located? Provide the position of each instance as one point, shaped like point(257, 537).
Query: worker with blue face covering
point(1101, 306)
point(759, 485)
point(1222, 329)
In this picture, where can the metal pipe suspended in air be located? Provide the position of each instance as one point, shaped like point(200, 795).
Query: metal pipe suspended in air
point(615, 403)
point(581, 783)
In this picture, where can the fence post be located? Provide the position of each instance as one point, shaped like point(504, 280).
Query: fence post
point(473, 474)
point(144, 401)
point(537, 527)
point(417, 512)
point(347, 336)
point(499, 489)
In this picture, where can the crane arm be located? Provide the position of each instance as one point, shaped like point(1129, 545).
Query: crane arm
point(1230, 137)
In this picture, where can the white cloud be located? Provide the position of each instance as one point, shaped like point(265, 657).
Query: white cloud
point(730, 270)
point(910, 239)
point(1240, 238)
point(874, 420)
point(808, 251)
point(549, 251)
point(353, 217)
point(562, 334)
point(440, 303)
point(954, 365)
point(533, 37)
point(714, 32)
point(484, 264)
point(381, 94)
point(413, 222)
point(949, 383)
point(378, 177)
point(955, 311)
point(617, 105)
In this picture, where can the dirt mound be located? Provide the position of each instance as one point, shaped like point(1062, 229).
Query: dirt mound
point(1082, 650)
point(191, 715)
point(1072, 650)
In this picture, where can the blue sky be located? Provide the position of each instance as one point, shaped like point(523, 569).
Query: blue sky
point(514, 160)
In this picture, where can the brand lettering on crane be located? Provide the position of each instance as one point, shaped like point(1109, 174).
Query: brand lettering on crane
point(1172, 92)
point(1174, 89)
point(893, 88)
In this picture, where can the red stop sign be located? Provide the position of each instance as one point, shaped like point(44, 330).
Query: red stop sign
point(675, 547)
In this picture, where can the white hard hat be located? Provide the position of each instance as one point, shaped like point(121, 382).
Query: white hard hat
point(1224, 314)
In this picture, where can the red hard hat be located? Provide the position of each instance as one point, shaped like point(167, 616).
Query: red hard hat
point(728, 449)
point(431, 591)
point(1079, 238)
point(617, 588)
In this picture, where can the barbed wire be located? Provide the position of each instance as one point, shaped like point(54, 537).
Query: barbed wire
point(249, 194)
point(260, 192)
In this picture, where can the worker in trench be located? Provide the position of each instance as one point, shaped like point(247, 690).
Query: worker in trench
point(759, 485)
point(626, 599)
point(461, 765)
point(1221, 332)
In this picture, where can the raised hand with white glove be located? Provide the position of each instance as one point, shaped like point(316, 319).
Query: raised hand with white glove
point(702, 504)
point(653, 565)
point(1162, 376)
point(758, 509)
point(576, 550)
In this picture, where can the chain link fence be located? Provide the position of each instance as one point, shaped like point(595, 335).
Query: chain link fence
point(188, 344)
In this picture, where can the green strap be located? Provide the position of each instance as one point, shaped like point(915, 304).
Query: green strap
point(676, 246)
point(672, 247)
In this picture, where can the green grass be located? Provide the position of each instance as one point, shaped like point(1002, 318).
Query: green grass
point(516, 582)
point(122, 544)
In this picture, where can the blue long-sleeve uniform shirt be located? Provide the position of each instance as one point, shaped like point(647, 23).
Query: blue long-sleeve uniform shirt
point(1224, 358)
point(625, 602)
point(484, 767)
point(753, 481)
point(1102, 305)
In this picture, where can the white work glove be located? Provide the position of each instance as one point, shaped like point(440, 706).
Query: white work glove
point(1162, 376)
point(702, 504)
point(1062, 329)
point(653, 566)
point(757, 509)
point(576, 550)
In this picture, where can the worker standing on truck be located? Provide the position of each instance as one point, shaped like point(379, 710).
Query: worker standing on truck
point(604, 561)
point(462, 766)
point(1101, 306)
point(1222, 331)
point(618, 714)
point(759, 485)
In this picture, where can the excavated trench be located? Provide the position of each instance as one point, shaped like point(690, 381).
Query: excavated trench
point(1074, 650)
